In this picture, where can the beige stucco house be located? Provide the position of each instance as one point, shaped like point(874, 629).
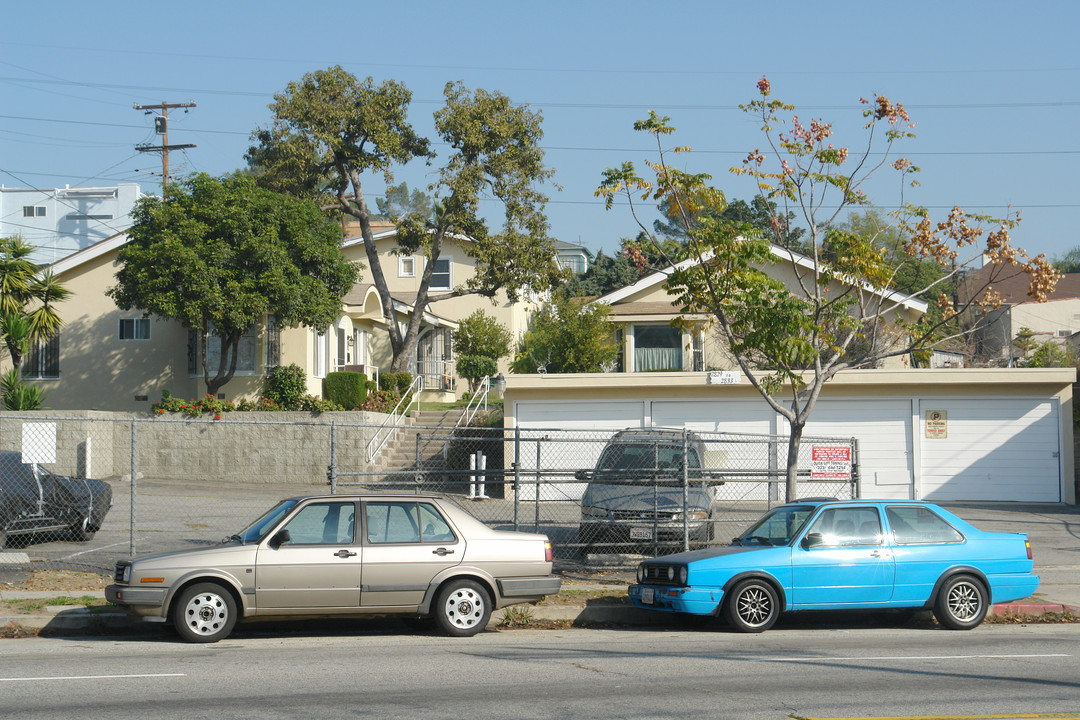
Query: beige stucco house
point(642, 314)
point(108, 359)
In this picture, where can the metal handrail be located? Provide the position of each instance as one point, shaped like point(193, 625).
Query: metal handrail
point(397, 415)
point(470, 411)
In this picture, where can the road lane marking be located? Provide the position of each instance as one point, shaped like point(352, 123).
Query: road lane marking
point(1023, 716)
point(915, 657)
point(93, 677)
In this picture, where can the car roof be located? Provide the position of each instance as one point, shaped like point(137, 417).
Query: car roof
point(652, 434)
point(374, 494)
point(818, 501)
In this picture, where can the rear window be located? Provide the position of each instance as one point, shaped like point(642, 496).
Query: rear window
point(914, 525)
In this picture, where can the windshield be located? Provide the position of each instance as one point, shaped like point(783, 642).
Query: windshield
point(645, 457)
point(258, 529)
point(776, 527)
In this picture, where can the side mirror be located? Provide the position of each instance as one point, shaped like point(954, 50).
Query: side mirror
point(810, 540)
point(280, 538)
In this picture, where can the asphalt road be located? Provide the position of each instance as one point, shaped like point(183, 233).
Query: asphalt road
point(363, 669)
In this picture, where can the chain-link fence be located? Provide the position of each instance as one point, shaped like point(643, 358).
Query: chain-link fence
point(80, 493)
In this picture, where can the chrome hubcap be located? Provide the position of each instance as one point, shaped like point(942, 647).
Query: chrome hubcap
point(754, 606)
point(964, 602)
point(464, 607)
point(206, 613)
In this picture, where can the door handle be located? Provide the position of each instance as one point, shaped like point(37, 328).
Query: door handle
point(880, 554)
point(442, 551)
point(344, 553)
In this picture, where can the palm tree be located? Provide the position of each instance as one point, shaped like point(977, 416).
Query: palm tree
point(27, 299)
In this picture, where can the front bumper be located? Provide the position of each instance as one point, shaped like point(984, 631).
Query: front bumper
point(640, 532)
point(665, 598)
point(144, 602)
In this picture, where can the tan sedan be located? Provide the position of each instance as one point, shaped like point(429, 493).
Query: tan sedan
point(342, 555)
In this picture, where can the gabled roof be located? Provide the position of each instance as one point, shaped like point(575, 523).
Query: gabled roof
point(1013, 285)
point(657, 278)
point(403, 304)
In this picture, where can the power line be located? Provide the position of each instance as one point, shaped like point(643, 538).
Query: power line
point(161, 125)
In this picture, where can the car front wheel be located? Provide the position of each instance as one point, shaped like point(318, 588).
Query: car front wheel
point(962, 603)
point(462, 608)
point(204, 613)
point(752, 606)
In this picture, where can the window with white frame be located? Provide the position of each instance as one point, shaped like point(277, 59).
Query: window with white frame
point(442, 275)
point(134, 329)
point(43, 359)
point(657, 348)
point(320, 343)
point(406, 266)
point(33, 211)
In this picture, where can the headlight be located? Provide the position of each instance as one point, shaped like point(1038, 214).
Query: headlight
point(670, 573)
point(682, 575)
point(640, 574)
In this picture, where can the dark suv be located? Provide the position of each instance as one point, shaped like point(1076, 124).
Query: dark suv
point(635, 493)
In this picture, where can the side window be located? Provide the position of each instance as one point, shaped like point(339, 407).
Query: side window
point(913, 525)
point(848, 526)
point(392, 522)
point(322, 524)
point(433, 527)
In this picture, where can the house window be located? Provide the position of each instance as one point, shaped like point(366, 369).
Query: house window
point(441, 278)
point(657, 348)
point(134, 328)
point(245, 351)
point(33, 211)
point(43, 359)
point(406, 266)
point(273, 342)
point(320, 353)
point(342, 350)
point(698, 351)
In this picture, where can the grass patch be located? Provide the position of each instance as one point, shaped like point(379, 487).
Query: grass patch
point(516, 616)
point(31, 605)
point(1047, 618)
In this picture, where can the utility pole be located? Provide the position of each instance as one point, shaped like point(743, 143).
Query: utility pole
point(161, 126)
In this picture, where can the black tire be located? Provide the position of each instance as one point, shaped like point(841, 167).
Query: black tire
point(204, 613)
point(82, 531)
point(462, 608)
point(752, 606)
point(962, 602)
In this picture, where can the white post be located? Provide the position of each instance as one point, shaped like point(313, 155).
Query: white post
point(472, 477)
point(482, 467)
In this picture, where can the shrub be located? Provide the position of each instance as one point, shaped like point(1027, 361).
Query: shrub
point(286, 386)
point(347, 389)
point(476, 367)
point(403, 380)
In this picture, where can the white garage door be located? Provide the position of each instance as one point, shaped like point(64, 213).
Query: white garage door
point(992, 449)
point(731, 416)
point(581, 430)
point(883, 430)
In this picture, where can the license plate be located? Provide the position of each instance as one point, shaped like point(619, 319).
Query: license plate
point(647, 595)
point(640, 533)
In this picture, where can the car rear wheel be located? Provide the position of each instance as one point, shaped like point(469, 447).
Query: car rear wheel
point(82, 531)
point(204, 613)
point(462, 608)
point(752, 606)
point(962, 603)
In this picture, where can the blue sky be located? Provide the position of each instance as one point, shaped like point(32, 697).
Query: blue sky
point(992, 85)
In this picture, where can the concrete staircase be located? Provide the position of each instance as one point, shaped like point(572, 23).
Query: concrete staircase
point(400, 453)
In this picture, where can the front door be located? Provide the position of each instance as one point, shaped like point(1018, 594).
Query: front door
point(848, 561)
point(318, 567)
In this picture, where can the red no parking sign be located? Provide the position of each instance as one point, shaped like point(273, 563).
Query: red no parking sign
point(830, 462)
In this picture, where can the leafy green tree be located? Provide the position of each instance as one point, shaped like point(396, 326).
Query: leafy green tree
point(330, 132)
point(1050, 355)
point(789, 339)
point(1069, 262)
point(28, 299)
point(479, 343)
point(400, 202)
point(219, 255)
point(605, 274)
point(567, 336)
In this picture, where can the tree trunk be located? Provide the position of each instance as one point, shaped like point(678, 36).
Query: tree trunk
point(791, 487)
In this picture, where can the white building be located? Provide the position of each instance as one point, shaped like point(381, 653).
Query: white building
point(60, 221)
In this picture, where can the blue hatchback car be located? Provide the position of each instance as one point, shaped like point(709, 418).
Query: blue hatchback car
point(844, 555)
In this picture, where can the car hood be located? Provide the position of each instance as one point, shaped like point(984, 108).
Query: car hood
point(721, 555)
point(229, 553)
point(641, 498)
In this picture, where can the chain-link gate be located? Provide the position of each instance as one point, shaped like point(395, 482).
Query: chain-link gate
point(80, 493)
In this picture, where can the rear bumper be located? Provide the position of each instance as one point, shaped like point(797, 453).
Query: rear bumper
point(526, 588)
point(1013, 586)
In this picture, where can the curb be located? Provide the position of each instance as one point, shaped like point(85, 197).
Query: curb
point(82, 621)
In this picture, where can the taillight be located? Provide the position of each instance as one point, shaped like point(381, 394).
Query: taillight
point(549, 555)
point(1027, 544)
